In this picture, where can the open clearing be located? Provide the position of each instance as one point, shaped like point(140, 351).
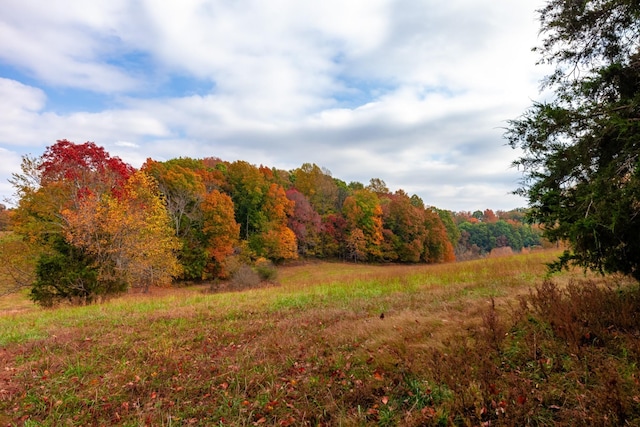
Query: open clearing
point(329, 344)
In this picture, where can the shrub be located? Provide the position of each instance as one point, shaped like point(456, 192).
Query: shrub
point(266, 270)
point(67, 274)
point(245, 277)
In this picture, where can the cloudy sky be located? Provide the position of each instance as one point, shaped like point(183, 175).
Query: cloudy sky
point(414, 92)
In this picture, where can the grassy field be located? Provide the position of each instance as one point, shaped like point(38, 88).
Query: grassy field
point(485, 342)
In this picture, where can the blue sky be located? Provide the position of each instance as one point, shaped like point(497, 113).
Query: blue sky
point(414, 92)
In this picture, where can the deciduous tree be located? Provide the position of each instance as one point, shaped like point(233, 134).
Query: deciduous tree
point(221, 231)
point(184, 184)
point(17, 269)
point(276, 241)
point(247, 187)
point(86, 168)
point(333, 236)
point(437, 247)
point(305, 222)
point(319, 187)
point(406, 227)
point(130, 237)
point(362, 211)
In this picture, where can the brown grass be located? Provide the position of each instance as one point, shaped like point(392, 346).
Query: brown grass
point(332, 344)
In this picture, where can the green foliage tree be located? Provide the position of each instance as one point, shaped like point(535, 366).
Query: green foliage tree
point(581, 150)
point(318, 186)
point(68, 274)
point(483, 237)
point(452, 230)
point(247, 187)
point(262, 211)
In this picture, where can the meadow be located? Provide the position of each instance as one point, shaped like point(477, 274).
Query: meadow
point(486, 342)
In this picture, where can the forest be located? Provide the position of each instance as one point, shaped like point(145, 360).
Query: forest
point(92, 225)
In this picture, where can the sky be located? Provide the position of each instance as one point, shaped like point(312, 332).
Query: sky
point(416, 93)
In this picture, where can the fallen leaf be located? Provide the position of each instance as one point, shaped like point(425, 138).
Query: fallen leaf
point(428, 411)
point(287, 421)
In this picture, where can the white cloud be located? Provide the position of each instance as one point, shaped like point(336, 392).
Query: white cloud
point(20, 105)
point(126, 144)
point(9, 164)
point(412, 92)
point(66, 43)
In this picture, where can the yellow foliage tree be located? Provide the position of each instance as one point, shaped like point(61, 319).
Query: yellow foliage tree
point(277, 240)
point(130, 236)
point(362, 211)
point(17, 269)
point(280, 243)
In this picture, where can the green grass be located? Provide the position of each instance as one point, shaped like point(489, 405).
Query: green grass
point(313, 350)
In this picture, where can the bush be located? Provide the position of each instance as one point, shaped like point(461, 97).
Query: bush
point(266, 270)
point(67, 274)
point(245, 277)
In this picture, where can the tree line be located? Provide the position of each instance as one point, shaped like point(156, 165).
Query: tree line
point(98, 226)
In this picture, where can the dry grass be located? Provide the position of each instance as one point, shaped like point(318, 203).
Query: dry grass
point(332, 344)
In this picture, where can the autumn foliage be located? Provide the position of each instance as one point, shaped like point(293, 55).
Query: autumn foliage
point(102, 226)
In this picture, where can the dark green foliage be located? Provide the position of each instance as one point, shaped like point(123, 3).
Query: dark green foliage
point(193, 259)
point(487, 236)
point(581, 158)
point(447, 220)
point(247, 187)
point(66, 274)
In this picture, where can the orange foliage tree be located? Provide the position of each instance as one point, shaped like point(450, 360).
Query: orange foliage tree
point(221, 231)
point(406, 227)
point(184, 184)
point(277, 241)
point(437, 246)
point(262, 210)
